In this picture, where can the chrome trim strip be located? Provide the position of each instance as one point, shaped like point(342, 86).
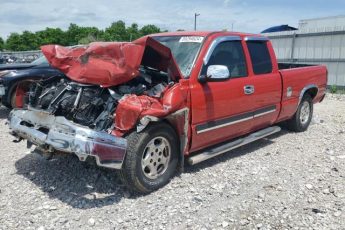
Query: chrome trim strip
point(223, 125)
point(258, 39)
point(264, 113)
point(215, 43)
point(247, 116)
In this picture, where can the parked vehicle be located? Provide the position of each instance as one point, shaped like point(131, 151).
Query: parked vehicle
point(143, 108)
point(14, 75)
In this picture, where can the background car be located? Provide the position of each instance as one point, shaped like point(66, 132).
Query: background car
point(14, 75)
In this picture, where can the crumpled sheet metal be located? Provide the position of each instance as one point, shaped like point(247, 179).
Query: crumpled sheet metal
point(132, 107)
point(111, 63)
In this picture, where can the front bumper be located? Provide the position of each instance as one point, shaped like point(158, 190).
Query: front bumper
point(51, 133)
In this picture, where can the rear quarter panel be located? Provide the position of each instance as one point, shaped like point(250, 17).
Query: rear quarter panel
point(300, 79)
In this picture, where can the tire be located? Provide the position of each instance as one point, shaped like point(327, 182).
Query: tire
point(13, 99)
point(3, 102)
point(10, 100)
point(302, 118)
point(151, 159)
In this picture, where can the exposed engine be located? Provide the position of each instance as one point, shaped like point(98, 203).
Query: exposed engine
point(91, 105)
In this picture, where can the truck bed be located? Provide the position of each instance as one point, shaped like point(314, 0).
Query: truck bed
point(296, 79)
point(286, 65)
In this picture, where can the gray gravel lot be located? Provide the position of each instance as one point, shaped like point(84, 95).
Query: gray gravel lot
point(287, 181)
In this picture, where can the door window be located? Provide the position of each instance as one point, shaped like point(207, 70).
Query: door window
point(260, 56)
point(231, 55)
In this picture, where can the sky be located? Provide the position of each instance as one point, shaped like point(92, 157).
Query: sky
point(244, 15)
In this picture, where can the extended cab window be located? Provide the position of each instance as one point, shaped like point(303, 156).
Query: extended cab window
point(260, 56)
point(231, 55)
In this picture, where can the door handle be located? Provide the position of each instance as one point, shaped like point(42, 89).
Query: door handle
point(249, 89)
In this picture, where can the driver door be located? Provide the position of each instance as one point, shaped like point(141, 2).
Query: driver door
point(221, 109)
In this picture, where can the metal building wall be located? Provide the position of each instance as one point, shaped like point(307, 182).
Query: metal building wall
point(324, 46)
point(332, 21)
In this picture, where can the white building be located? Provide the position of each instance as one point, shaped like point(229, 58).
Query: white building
point(317, 41)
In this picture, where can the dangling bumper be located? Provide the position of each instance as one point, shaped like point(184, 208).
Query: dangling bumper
point(51, 133)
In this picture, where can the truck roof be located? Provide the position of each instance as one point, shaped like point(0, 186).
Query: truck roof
point(205, 33)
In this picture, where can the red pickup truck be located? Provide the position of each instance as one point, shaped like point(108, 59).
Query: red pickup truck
point(145, 107)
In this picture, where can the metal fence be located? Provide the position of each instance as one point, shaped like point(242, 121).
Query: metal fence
point(19, 57)
point(314, 46)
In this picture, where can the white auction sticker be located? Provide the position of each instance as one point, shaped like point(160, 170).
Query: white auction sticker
point(196, 39)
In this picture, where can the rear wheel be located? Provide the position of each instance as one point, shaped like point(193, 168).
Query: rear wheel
point(151, 158)
point(302, 118)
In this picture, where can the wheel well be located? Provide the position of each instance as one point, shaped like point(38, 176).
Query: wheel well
point(166, 121)
point(178, 121)
point(175, 128)
point(23, 85)
point(312, 92)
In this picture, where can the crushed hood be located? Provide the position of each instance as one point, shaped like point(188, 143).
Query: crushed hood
point(111, 63)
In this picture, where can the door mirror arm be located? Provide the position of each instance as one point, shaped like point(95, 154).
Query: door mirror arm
point(203, 79)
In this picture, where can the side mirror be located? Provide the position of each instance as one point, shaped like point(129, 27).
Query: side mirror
point(215, 73)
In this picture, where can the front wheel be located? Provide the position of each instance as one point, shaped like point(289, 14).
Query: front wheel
point(302, 118)
point(151, 159)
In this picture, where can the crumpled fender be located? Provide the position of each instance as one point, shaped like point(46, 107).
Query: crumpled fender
point(131, 108)
point(111, 63)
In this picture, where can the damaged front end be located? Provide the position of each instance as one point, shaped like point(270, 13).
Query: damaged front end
point(89, 112)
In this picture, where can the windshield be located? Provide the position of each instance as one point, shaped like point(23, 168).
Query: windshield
point(40, 60)
point(184, 50)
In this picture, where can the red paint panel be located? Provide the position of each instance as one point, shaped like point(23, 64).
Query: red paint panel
point(20, 94)
point(111, 63)
point(297, 79)
point(268, 91)
point(217, 100)
point(21, 91)
point(288, 109)
point(133, 107)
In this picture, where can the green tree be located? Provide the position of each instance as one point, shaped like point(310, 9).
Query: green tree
point(72, 34)
point(2, 44)
point(22, 42)
point(30, 41)
point(87, 40)
point(116, 32)
point(76, 33)
point(149, 29)
point(132, 32)
point(52, 36)
point(92, 33)
point(14, 42)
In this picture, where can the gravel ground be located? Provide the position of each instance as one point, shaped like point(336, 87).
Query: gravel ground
point(287, 181)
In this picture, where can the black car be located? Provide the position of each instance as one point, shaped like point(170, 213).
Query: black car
point(12, 75)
